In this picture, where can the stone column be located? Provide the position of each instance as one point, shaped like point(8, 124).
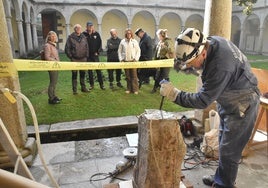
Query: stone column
point(67, 30)
point(99, 29)
point(129, 25)
point(207, 17)
point(29, 37)
point(21, 38)
point(219, 16)
point(242, 38)
point(155, 37)
point(35, 38)
point(260, 42)
point(10, 31)
point(12, 114)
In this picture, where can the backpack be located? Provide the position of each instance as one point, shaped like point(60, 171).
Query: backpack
point(186, 126)
point(42, 54)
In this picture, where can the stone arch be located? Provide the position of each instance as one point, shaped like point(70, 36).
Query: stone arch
point(251, 34)
point(145, 20)
point(6, 4)
point(17, 9)
point(116, 19)
point(82, 16)
point(196, 21)
point(18, 43)
point(25, 12)
point(235, 30)
point(27, 27)
point(172, 22)
point(7, 9)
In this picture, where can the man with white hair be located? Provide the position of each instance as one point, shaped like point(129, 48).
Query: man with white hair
point(76, 49)
point(227, 79)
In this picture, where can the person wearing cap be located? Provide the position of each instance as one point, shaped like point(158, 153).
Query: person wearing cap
point(76, 49)
point(129, 51)
point(112, 56)
point(227, 79)
point(146, 46)
point(94, 49)
point(164, 50)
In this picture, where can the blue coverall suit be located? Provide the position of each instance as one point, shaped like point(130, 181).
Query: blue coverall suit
point(227, 79)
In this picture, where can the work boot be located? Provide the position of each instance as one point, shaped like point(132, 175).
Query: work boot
point(74, 84)
point(208, 180)
point(53, 101)
point(119, 84)
point(85, 90)
point(57, 98)
point(111, 85)
point(83, 85)
point(154, 90)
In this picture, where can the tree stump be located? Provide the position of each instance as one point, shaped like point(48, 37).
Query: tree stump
point(161, 150)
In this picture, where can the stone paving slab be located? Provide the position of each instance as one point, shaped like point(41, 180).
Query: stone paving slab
point(98, 123)
point(75, 172)
point(94, 123)
point(73, 163)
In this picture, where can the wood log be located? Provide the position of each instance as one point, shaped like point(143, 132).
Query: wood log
point(161, 150)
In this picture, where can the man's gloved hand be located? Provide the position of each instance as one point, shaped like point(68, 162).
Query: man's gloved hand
point(168, 90)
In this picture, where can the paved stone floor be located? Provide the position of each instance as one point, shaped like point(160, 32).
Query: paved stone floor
point(72, 163)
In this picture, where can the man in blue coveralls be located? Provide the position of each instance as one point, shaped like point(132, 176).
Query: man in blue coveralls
point(227, 79)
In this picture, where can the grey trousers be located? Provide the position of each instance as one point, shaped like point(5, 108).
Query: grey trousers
point(53, 79)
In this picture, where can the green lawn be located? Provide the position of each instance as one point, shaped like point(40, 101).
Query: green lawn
point(98, 103)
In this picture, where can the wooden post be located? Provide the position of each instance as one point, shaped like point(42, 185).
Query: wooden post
point(161, 150)
point(12, 114)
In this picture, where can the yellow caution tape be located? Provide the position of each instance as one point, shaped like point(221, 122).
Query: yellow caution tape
point(8, 69)
point(39, 65)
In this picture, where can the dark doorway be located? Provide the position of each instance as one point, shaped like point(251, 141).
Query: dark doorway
point(49, 23)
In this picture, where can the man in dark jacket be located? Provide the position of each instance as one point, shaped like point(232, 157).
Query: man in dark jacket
point(112, 56)
point(76, 49)
point(94, 48)
point(227, 78)
point(146, 47)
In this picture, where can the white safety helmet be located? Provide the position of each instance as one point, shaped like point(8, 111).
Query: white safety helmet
point(189, 44)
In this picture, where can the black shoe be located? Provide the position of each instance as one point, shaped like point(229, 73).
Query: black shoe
point(153, 90)
point(119, 84)
point(208, 180)
point(102, 87)
point(111, 85)
point(57, 98)
point(91, 87)
point(84, 90)
point(53, 101)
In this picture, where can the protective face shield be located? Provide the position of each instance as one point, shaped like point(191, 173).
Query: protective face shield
point(188, 45)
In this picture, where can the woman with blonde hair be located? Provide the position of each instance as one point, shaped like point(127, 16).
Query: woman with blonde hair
point(164, 50)
point(51, 54)
point(129, 51)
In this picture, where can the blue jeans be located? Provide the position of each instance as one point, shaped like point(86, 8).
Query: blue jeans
point(238, 111)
